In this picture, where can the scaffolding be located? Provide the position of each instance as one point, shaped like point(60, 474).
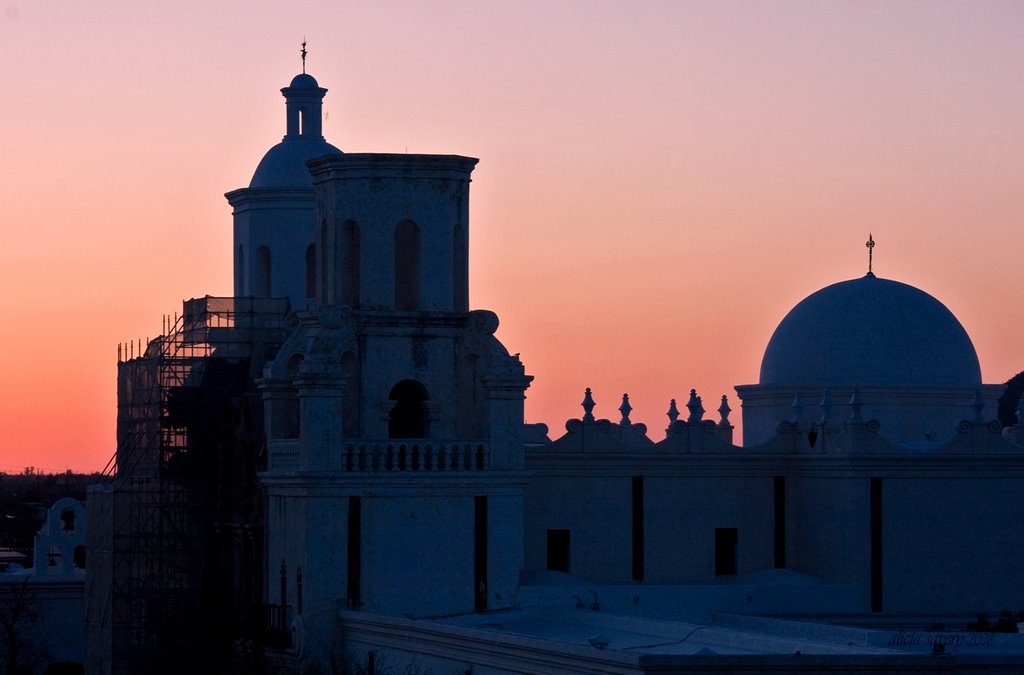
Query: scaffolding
point(164, 474)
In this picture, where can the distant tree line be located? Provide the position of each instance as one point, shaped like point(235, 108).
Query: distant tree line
point(1010, 399)
point(25, 497)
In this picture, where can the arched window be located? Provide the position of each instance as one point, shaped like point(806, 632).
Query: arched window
point(262, 289)
point(327, 294)
point(311, 271)
point(460, 273)
point(409, 418)
point(67, 517)
point(407, 265)
point(78, 557)
point(240, 272)
point(348, 269)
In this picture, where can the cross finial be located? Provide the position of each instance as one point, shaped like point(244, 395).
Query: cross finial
point(870, 245)
point(303, 55)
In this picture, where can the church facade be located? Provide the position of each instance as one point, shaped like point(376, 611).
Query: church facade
point(369, 485)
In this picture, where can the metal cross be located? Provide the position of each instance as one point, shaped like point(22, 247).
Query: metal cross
point(303, 55)
point(870, 245)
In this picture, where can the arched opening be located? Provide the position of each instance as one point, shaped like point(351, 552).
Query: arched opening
point(240, 272)
point(302, 121)
point(407, 265)
point(78, 557)
point(460, 273)
point(311, 271)
point(409, 418)
point(348, 268)
point(67, 517)
point(262, 289)
point(327, 293)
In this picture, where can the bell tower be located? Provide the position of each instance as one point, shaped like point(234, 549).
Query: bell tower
point(274, 222)
point(395, 464)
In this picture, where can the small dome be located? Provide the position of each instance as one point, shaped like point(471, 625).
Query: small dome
point(304, 81)
point(284, 165)
point(870, 331)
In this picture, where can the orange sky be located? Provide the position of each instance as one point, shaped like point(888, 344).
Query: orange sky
point(659, 182)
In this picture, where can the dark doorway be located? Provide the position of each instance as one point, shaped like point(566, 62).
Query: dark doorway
point(558, 550)
point(355, 552)
point(725, 551)
point(780, 522)
point(480, 553)
point(409, 418)
point(638, 528)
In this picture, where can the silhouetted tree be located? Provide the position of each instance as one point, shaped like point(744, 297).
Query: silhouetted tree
point(19, 612)
point(1009, 400)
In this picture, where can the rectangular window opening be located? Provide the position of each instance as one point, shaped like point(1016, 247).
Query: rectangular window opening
point(638, 528)
point(480, 553)
point(876, 545)
point(780, 522)
point(355, 552)
point(725, 551)
point(558, 550)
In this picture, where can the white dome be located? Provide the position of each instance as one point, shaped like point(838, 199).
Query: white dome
point(284, 165)
point(870, 332)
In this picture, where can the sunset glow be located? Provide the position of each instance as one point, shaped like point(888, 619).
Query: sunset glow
point(659, 182)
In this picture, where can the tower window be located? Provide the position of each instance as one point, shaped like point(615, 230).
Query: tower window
point(349, 272)
point(311, 271)
point(262, 289)
point(409, 417)
point(460, 273)
point(407, 265)
point(240, 272)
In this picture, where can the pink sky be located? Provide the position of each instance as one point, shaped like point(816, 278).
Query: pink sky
point(659, 182)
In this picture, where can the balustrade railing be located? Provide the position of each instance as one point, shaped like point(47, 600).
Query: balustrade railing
point(284, 453)
point(415, 456)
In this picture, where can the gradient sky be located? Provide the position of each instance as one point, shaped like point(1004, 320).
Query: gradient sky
point(660, 182)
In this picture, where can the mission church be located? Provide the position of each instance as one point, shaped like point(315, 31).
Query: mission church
point(331, 469)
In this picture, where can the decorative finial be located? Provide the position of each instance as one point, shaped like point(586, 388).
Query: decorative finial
point(673, 411)
point(724, 411)
point(625, 409)
point(871, 245)
point(588, 406)
point(856, 404)
point(303, 54)
point(826, 407)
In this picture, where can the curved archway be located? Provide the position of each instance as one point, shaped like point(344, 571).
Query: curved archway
point(410, 417)
point(67, 517)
